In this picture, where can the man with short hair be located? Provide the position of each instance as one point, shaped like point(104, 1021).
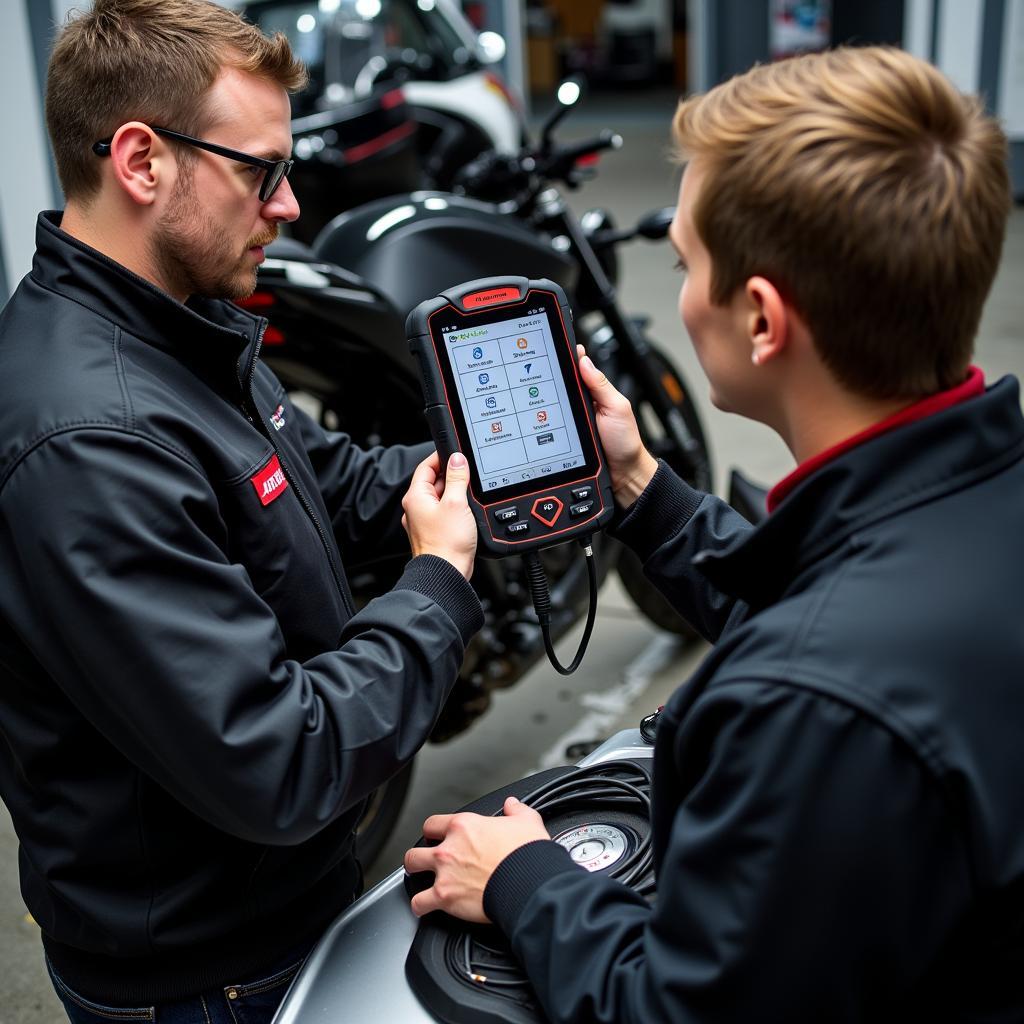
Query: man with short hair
point(191, 711)
point(836, 807)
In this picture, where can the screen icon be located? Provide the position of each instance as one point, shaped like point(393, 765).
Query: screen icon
point(478, 353)
point(496, 427)
point(542, 416)
point(491, 403)
point(527, 366)
point(534, 391)
point(522, 343)
point(545, 438)
point(484, 378)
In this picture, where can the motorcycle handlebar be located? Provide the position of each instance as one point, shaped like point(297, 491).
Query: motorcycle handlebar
point(493, 175)
point(562, 161)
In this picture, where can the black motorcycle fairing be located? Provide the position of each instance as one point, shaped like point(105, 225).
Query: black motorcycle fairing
point(321, 308)
point(448, 239)
point(354, 154)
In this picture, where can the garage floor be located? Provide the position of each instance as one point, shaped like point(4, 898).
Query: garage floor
point(630, 667)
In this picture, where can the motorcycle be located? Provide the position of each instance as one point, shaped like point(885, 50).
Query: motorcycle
point(379, 962)
point(336, 336)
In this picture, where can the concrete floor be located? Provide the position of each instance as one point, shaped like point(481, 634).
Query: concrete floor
point(630, 667)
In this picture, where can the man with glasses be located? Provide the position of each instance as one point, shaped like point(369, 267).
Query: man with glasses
point(191, 711)
point(275, 170)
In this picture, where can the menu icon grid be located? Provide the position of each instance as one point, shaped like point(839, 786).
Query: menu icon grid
point(514, 401)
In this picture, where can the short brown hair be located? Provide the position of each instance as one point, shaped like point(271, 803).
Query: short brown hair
point(871, 192)
point(146, 60)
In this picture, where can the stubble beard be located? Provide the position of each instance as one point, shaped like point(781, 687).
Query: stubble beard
point(193, 257)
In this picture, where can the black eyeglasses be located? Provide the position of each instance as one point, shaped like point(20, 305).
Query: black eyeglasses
point(277, 170)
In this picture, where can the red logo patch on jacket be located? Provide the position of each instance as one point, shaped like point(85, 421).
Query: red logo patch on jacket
point(269, 482)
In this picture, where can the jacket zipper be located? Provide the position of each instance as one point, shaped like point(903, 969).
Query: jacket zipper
point(253, 415)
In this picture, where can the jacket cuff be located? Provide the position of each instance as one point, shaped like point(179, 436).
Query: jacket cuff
point(439, 580)
point(661, 511)
point(518, 877)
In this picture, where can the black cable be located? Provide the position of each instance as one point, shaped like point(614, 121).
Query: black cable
point(538, 581)
point(610, 782)
point(584, 786)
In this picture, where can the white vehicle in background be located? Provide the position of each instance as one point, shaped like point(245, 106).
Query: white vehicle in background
point(355, 48)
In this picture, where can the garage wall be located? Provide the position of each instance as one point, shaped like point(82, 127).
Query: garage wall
point(28, 181)
point(978, 43)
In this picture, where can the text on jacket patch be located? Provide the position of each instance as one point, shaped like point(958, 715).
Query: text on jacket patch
point(269, 482)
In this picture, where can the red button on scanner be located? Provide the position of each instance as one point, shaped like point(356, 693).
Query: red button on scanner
point(547, 510)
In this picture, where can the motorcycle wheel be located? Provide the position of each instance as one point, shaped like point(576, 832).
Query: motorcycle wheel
point(642, 592)
point(380, 815)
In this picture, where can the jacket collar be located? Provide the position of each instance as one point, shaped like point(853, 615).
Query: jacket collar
point(973, 386)
point(209, 335)
point(878, 478)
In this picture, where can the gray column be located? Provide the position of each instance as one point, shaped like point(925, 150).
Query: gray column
point(725, 38)
point(506, 18)
point(1008, 97)
point(27, 183)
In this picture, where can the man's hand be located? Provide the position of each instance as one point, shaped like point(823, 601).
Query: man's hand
point(472, 846)
point(630, 464)
point(437, 516)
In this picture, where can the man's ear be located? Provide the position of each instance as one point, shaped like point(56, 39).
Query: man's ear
point(140, 161)
point(767, 320)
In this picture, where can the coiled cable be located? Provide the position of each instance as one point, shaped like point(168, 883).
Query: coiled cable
point(620, 784)
point(538, 583)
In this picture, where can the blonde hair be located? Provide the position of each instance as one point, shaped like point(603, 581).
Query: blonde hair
point(146, 60)
point(871, 192)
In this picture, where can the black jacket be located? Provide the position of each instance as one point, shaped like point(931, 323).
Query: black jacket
point(838, 812)
point(191, 713)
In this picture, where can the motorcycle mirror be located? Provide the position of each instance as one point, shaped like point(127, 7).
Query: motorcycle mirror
point(491, 47)
point(569, 94)
point(656, 223)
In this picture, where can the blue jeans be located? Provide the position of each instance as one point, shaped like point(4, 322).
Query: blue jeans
point(252, 1001)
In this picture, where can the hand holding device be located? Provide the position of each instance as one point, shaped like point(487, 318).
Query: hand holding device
point(630, 464)
point(437, 517)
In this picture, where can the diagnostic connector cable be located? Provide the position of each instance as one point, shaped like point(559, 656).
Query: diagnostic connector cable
point(538, 582)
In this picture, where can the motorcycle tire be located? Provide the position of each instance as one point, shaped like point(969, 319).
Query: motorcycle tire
point(648, 599)
point(380, 816)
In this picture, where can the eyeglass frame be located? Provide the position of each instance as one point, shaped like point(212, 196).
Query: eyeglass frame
point(270, 183)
